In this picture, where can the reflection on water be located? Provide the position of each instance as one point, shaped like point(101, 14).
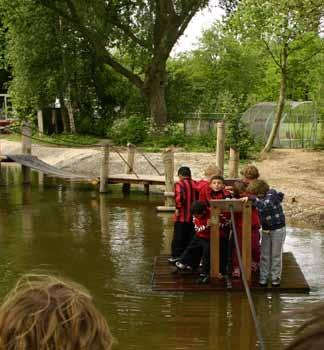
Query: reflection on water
point(108, 243)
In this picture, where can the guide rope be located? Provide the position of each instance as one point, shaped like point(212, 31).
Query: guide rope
point(71, 144)
point(246, 285)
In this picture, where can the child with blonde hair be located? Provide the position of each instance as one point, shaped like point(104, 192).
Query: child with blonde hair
point(45, 312)
point(249, 173)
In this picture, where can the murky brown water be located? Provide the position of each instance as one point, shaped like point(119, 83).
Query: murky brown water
point(108, 243)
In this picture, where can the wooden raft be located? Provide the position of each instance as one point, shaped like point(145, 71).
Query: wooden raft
point(164, 279)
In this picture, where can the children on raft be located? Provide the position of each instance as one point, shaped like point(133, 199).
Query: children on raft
point(191, 238)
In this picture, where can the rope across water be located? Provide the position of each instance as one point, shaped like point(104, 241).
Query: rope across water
point(246, 285)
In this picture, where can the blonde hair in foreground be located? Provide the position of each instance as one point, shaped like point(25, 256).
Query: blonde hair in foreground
point(48, 313)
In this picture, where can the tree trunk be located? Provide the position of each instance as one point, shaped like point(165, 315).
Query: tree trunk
point(154, 93)
point(54, 120)
point(71, 116)
point(40, 122)
point(70, 110)
point(280, 104)
point(65, 119)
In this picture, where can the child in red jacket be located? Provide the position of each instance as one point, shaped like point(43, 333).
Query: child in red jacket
point(185, 194)
point(200, 244)
point(216, 190)
point(239, 191)
point(210, 171)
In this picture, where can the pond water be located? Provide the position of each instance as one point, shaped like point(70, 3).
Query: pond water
point(108, 243)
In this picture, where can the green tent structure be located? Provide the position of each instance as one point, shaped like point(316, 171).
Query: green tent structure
point(299, 127)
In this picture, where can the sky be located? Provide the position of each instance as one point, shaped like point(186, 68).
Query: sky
point(201, 21)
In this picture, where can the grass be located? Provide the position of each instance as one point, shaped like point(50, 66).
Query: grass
point(60, 139)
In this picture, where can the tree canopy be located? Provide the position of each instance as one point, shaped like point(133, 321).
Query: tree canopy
point(135, 38)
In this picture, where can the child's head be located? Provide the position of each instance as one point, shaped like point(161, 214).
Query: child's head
point(239, 189)
point(216, 183)
point(184, 171)
point(199, 208)
point(44, 312)
point(212, 170)
point(258, 188)
point(249, 173)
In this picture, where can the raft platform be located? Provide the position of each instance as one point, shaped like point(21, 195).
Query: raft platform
point(167, 279)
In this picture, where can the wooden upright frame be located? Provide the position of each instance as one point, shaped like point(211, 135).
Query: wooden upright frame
point(218, 207)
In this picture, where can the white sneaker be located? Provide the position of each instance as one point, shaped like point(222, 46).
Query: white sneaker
point(263, 283)
point(182, 266)
point(173, 260)
point(276, 282)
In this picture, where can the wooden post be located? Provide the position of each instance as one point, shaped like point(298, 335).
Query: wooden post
point(129, 166)
point(233, 163)
point(217, 207)
point(104, 217)
point(104, 169)
point(220, 146)
point(40, 122)
point(214, 244)
point(26, 149)
point(147, 189)
point(168, 161)
point(246, 239)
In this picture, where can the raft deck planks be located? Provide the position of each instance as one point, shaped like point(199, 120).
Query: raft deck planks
point(293, 280)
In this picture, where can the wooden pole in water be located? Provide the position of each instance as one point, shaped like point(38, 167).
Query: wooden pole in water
point(214, 244)
point(129, 166)
point(220, 146)
point(233, 163)
point(168, 161)
point(246, 240)
point(104, 169)
point(26, 149)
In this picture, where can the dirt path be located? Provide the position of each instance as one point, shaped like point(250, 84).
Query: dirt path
point(300, 175)
point(297, 173)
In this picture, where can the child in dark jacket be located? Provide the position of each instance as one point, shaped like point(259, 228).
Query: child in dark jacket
point(199, 243)
point(268, 202)
point(185, 194)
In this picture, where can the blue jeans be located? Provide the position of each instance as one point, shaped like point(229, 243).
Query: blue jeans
point(271, 254)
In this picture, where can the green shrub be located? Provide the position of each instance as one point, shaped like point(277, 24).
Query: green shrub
point(174, 135)
point(238, 136)
point(133, 129)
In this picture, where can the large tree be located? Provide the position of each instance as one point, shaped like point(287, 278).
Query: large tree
point(144, 30)
point(284, 28)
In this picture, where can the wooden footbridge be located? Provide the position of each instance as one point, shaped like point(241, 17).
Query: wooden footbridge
point(29, 161)
point(33, 162)
point(37, 164)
